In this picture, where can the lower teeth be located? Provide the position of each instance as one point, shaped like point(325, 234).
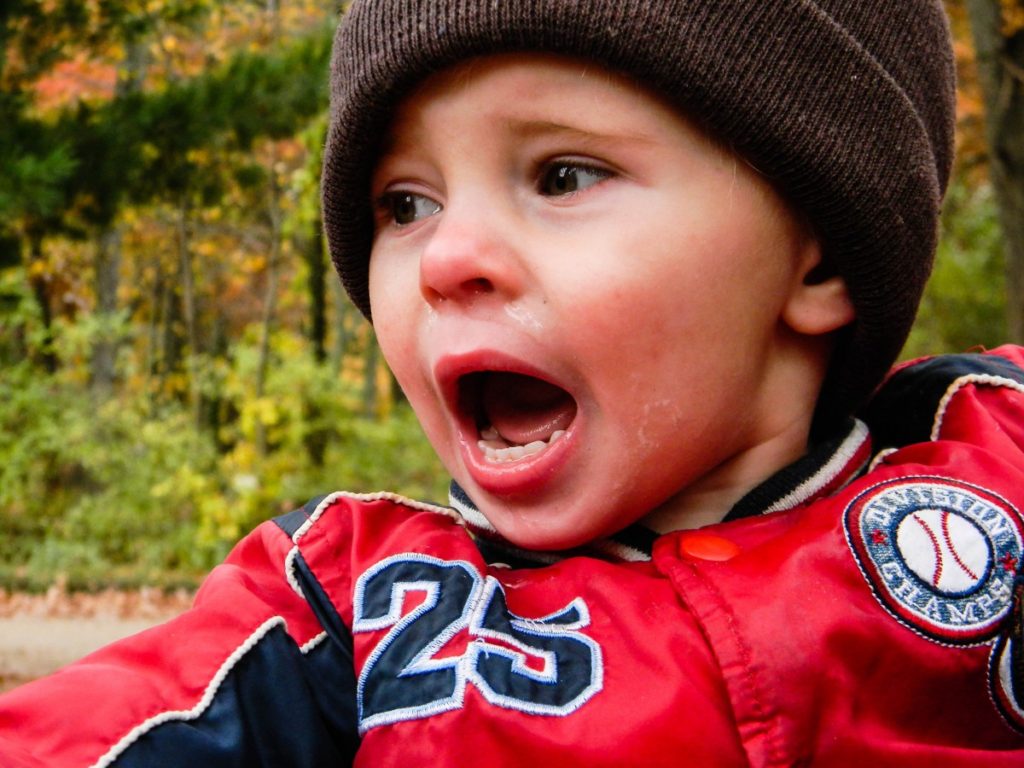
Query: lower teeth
point(497, 450)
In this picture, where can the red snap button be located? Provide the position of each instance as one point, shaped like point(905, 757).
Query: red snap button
point(698, 545)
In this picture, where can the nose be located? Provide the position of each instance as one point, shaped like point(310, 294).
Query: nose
point(470, 259)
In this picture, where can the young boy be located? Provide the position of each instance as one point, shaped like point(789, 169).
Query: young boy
point(635, 265)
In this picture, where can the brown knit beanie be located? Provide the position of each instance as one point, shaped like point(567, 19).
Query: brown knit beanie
point(847, 106)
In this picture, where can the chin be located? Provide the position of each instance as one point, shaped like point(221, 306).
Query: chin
point(541, 528)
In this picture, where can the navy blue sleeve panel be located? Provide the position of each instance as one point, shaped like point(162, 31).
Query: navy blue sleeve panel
point(339, 704)
point(272, 709)
point(247, 676)
point(292, 521)
point(326, 614)
point(335, 681)
point(903, 411)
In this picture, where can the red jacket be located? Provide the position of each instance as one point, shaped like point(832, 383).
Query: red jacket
point(841, 615)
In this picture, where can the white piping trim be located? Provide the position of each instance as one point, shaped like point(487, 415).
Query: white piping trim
point(312, 643)
point(471, 514)
point(621, 551)
point(880, 457)
point(289, 560)
point(963, 381)
point(289, 571)
point(190, 714)
point(839, 461)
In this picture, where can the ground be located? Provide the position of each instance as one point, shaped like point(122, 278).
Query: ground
point(40, 633)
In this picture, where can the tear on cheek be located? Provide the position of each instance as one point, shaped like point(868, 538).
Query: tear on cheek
point(516, 415)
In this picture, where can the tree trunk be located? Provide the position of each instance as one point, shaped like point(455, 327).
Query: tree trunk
point(342, 309)
point(40, 289)
point(269, 299)
point(108, 250)
point(370, 403)
point(316, 262)
point(1000, 57)
point(156, 301)
point(188, 297)
point(104, 348)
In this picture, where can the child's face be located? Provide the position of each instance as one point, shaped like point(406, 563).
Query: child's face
point(561, 260)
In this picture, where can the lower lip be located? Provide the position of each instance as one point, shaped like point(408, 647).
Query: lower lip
point(527, 475)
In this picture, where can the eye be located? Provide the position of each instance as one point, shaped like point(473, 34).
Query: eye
point(563, 177)
point(407, 207)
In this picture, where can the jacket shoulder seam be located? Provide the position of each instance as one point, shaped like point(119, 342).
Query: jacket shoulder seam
point(333, 498)
point(201, 706)
point(982, 379)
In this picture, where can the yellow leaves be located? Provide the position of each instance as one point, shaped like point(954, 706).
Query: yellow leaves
point(206, 248)
point(385, 396)
point(198, 155)
point(242, 460)
point(254, 263)
point(1013, 17)
point(216, 522)
point(185, 481)
point(116, 51)
point(177, 383)
point(261, 411)
point(266, 411)
point(37, 269)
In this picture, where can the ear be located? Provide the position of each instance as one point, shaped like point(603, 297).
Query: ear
point(819, 302)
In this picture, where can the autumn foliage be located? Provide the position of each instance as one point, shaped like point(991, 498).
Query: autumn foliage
point(177, 361)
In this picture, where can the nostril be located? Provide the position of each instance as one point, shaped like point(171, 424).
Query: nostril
point(478, 286)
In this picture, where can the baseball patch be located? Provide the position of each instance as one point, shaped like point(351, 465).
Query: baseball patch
point(941, 556)
point(1006, 668)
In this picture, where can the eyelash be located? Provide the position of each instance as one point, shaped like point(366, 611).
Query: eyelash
point(558, 170)
point(561, 166)
point(388, 204)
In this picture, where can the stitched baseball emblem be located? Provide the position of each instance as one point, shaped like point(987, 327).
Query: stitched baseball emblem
point(943, 549)
point(941, 556)
point(1006, 666)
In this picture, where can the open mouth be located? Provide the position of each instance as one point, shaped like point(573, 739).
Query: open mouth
point(516, 415)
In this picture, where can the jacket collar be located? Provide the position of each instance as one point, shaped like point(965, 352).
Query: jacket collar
point(824, 469)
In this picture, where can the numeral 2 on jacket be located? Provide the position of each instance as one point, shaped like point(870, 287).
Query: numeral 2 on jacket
point(542, 666)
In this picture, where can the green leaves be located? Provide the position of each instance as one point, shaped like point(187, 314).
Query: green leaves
point(964, 305)
point(97, 490)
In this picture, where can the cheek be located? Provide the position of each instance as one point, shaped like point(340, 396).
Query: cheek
point(669, 329)
point(396, 324)
point(393, 325)
point(393, 302)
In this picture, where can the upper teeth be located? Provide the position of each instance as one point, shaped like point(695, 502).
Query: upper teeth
point(497, 450)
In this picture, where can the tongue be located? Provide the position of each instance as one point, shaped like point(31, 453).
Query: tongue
point(524, 409)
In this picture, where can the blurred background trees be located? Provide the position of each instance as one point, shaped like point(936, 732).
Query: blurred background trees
point(976, 295)
point(998, 35)
point(177, 359)
point(176, 363)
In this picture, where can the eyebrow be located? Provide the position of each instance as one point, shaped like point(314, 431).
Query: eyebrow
point(534, 128)
point(527, 129)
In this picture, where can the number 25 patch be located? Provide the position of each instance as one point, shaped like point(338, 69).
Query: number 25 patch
point(462, 632)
